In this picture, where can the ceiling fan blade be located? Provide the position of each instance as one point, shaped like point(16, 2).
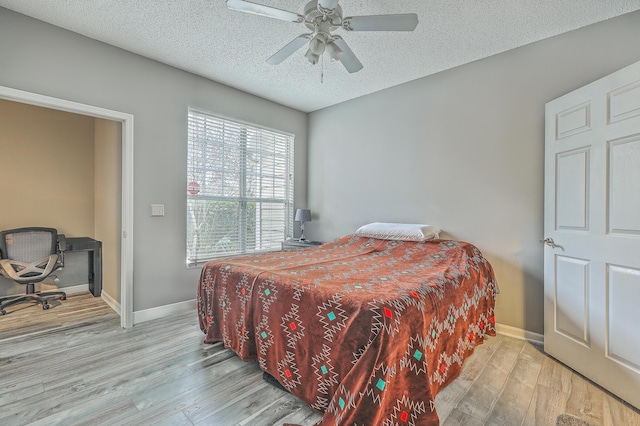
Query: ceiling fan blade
point(289, 49)
point(402, 22)
point(348, 58)
point(262, 10)
point(328, 4)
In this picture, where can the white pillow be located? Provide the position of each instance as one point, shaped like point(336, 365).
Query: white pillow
point(399, 231)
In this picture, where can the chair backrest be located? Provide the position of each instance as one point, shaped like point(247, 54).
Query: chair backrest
point(28, 244)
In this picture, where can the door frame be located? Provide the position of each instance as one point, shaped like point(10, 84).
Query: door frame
point(126, 236)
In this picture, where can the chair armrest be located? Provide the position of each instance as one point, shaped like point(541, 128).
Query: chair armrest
point(23, 272)
point(62, 242)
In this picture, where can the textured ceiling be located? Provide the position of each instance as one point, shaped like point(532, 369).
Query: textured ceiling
point(205, 38)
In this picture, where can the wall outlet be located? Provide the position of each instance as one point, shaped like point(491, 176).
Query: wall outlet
point(157, 209)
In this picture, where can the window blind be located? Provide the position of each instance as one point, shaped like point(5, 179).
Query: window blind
point(240, 188)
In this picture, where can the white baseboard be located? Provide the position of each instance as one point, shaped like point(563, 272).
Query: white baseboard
point(164, 311)
point(71, 289)
point(113, 303)
point(518, 333)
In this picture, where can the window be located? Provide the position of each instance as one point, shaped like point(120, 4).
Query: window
point(240, 188)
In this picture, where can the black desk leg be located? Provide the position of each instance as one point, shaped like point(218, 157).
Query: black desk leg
point(97, 256)
point(95, 269)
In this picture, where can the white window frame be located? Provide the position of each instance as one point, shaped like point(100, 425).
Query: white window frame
point(249, 143)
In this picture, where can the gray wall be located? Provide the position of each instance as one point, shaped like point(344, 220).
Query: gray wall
point(463, 150)
point(40, 58)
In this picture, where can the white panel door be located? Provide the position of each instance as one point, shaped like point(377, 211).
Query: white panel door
point(592, 231)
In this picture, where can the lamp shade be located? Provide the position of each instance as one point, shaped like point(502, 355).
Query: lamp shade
point(303, 215)
point(312, 57)
point(334, 51)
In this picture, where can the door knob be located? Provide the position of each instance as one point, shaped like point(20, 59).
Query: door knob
point(549, 241)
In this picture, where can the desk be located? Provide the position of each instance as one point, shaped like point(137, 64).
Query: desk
point(94, 248)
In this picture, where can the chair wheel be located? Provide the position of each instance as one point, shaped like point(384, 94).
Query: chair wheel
point(45, 306)
point(63, 297)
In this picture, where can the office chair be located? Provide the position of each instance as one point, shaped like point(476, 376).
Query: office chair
point(28, 256)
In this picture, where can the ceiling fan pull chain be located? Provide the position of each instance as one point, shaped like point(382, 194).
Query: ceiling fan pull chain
point(322, 70)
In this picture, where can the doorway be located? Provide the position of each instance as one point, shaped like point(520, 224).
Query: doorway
point(126, 166)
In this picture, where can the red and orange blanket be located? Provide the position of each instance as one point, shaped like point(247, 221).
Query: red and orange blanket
point(365, 330)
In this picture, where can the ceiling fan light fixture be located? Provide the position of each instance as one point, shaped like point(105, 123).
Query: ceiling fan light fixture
point(322, 17)
point(312, 57)
point(334, 51)
point(317, 45)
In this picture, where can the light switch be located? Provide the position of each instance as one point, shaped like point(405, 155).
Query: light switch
point(157, 209)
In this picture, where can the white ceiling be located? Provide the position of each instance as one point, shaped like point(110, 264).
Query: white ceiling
point(205, 38)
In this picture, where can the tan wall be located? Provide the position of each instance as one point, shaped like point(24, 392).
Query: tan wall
point(46, 177)
point(108, 151)
point(62, 170)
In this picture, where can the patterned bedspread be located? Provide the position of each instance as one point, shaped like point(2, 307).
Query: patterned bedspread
point(365, 330)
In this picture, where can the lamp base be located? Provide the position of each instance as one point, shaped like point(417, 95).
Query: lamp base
point(302, 238)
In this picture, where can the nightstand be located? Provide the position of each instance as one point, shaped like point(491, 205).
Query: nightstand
point(297, 244)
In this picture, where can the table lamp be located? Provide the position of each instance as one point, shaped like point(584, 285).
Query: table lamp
point(302, 216)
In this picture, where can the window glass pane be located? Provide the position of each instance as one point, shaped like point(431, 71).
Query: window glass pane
point(231, 184)
point(212, 157)
point(214, 228)
point(211, 183)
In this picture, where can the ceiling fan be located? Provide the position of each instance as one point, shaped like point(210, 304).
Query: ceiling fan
point(322, 17)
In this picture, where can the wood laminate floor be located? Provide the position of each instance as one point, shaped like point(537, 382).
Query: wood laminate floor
point(74, 365)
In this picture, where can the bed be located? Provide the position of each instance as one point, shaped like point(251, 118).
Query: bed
point(364, 330)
